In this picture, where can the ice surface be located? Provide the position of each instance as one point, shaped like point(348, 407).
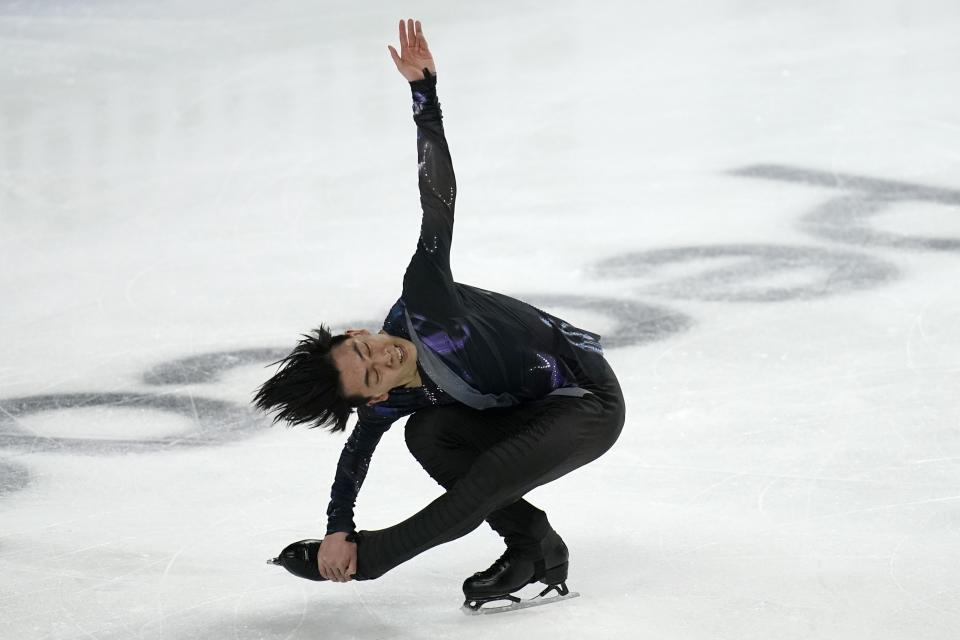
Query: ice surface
point(758, 206)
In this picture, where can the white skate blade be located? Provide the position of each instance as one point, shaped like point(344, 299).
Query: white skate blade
point(516, 606)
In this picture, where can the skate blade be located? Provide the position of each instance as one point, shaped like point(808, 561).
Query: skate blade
point(516, 606)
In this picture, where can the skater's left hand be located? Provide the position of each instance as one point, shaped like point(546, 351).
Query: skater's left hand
point(337, 560)
point(414, 53)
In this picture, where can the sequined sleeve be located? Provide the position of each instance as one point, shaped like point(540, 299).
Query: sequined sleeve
point(429, 272)
point(351, 471)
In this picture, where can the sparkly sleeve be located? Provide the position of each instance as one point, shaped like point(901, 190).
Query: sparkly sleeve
point(351, 471)
point(428, 275)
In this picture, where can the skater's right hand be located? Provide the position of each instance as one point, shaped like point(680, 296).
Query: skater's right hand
point(337, 559)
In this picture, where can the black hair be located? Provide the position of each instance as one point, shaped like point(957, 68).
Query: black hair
point(307, 388)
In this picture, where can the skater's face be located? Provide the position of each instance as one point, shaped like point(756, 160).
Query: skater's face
point(372, 364)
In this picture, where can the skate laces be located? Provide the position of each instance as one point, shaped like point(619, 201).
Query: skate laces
point(498, 564)
point(512, 554)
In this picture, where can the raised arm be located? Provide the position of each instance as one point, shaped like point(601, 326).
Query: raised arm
point(429, 273)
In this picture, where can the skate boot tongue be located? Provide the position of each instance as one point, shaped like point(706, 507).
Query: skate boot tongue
point(499, 565)
point(510, 572)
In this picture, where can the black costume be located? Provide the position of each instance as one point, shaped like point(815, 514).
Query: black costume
point(512, 397)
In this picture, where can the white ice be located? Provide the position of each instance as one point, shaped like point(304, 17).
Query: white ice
point(186, 186)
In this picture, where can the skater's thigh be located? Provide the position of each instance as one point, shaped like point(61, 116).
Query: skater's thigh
point(543, 443)
point(464, 427)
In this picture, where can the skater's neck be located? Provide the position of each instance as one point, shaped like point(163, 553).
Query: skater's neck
point(416, 381)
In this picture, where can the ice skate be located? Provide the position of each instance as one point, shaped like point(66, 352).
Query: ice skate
point(515, 569)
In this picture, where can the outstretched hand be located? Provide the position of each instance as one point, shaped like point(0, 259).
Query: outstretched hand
point(414, 53)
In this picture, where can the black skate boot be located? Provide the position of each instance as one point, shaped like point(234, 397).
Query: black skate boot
point(517, 568)
point(300, 558)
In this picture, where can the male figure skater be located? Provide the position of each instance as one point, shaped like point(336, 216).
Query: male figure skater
point(504, 397)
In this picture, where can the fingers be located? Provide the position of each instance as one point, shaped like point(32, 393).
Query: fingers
point(394, 55)
point(326, 571)
point(411, 35)
point(421, 41)
point(337, 574)
point(403, 39)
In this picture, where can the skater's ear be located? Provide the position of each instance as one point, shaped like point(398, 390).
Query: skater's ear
point(356, 332)
point(380, 398)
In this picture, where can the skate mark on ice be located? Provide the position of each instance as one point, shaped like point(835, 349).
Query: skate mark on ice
point(847, 218)
point(214, 422)
point(207, 367)
point(736, 272)
point(636, 322)
point(13, 477)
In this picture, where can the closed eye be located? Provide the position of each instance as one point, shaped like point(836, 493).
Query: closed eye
point(366, 374)
point(370, 353)
point(366, 380)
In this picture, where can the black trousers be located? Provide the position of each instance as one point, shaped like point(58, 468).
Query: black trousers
point(487, 460)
